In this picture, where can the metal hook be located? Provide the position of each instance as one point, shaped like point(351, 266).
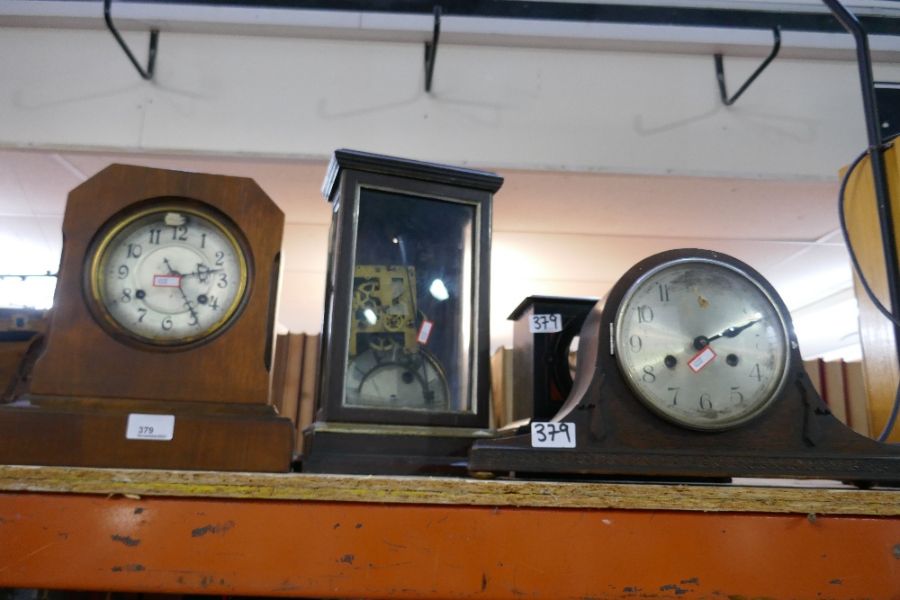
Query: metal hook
point(431, 48)
point(720, 70)
point(151, 54)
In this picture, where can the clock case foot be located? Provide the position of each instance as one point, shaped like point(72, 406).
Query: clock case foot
point(681, 467)
point(370, 452)
point(79, 432)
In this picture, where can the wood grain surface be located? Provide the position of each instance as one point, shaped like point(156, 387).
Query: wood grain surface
point(880, 361)
point(82, 359)
point(787, 496)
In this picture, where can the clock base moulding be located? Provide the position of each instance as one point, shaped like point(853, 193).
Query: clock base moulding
point(79, 432)
point(330, 449)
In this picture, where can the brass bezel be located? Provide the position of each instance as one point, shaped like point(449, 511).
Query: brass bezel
point(638, 389)
point(94, 277)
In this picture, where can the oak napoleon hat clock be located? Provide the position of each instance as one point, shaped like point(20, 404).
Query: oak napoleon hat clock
point(691, 369)
point(159, 345)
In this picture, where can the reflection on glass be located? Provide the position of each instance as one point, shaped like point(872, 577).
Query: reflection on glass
point(412, 306)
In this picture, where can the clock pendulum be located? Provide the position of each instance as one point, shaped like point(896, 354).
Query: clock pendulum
point(691, 369)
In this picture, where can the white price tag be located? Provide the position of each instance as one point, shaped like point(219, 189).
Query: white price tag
point(545, 323)
point(424, 332)
point(160, 428)
point(553, 435)
point(701, 359)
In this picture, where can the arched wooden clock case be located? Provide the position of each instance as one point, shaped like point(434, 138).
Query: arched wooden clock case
point(793, 435)
point(164, 306)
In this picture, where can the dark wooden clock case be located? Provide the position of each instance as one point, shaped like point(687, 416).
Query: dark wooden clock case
point(541, 378)
point(86, 382)
point(348, 439)
point(618, 437)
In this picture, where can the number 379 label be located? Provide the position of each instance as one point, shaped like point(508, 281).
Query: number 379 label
point(159, 428)
point(545, 323)
point(553, 435)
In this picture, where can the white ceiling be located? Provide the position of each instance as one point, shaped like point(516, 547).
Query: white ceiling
point(556, 233)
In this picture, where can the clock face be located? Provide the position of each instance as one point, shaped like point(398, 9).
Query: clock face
point(701, 343)
point(394, 378)
point(168, 276)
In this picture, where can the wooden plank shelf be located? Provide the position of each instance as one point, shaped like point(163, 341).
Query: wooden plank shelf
point(335, 536)
point(772, 496)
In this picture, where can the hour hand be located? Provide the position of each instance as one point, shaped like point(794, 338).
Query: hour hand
point(171, 270)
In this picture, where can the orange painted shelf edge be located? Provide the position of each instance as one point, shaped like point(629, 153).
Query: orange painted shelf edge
point(410, 537)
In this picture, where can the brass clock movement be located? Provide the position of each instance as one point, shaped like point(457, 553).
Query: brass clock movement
point(387, 367)
point(691, 370)
point(158, 350)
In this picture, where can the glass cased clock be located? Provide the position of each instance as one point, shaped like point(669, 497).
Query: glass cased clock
point(404, 380)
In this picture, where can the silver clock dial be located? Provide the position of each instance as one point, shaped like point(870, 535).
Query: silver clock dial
point(168, 276)
point(396, 379)
point(701, 343)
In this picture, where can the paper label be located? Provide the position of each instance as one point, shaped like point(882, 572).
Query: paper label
point(701, 359)
point(160, 428)
point(545, 323)
point(424, 332)
point(552, 435)
point(166, 280)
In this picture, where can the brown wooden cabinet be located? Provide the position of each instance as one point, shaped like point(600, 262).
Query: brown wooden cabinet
point(880, 360)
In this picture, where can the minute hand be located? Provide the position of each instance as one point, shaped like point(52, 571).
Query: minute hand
point(733, 331)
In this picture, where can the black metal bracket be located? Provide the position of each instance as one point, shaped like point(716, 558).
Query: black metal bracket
point(720, 70)
point(151, 54)
point(431, 48)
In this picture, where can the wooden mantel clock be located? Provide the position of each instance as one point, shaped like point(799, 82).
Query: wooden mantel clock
point(159, 345)
point(404, 382)
point(691, 370)
point(544, 329)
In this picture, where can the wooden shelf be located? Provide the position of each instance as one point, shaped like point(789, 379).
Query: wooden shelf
point(412, 537)
point(770, 496)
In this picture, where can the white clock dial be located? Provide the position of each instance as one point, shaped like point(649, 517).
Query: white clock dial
point(169, 275)
point(701, 343)
point(396, 379)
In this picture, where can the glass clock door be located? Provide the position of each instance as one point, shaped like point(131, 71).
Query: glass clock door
point(413, 304)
